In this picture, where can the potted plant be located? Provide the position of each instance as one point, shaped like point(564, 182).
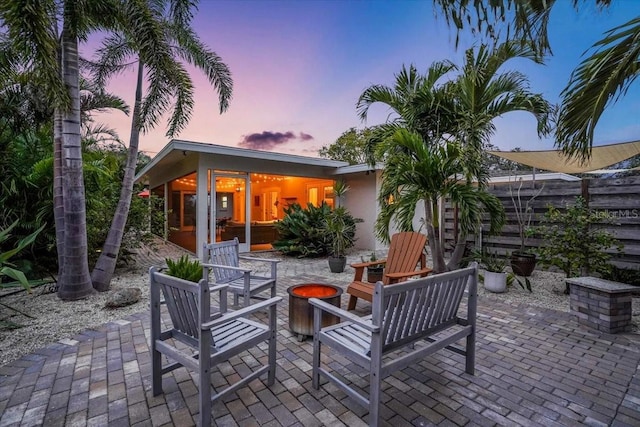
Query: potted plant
point(340, 231)
point(523, 262)
point(495, 277)
point(184, 268)
point(374, 271)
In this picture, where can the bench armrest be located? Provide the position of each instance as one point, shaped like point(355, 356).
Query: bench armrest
point(227, 317)
point(343, 314)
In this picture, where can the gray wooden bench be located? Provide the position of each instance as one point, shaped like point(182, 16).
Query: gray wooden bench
point(413, 319)
point(602, 304)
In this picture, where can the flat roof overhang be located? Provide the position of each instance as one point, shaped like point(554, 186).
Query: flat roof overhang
point(251, 160)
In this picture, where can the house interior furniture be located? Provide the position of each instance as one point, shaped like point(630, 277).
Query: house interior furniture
point(262, 232)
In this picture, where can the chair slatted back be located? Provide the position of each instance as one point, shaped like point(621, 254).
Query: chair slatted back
point(409, 310)
point(223, 253)
point(405, 251)
point(185, 302)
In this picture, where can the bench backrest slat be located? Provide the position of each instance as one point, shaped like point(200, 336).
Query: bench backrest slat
point(184, 301)
point(417, 308)
point(223, 253)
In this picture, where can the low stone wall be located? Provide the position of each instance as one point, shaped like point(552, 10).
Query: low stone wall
point(602, 304)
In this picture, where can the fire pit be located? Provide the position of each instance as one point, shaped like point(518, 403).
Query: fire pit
point(301, 312)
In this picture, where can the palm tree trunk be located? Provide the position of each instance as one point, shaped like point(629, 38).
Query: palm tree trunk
point(458, 252)
point(106, 264)
point(433, 234)
point(75, 282)
point(58, 200)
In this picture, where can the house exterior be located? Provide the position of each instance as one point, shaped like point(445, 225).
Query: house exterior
point(214, 192)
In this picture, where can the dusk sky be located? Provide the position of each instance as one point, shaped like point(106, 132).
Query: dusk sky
point(299, 67)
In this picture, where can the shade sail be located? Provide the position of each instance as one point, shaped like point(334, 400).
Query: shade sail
point(553, 160)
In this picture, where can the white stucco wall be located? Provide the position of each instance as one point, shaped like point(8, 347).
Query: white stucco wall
point(361, 201)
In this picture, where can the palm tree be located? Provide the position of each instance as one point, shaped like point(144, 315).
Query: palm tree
point(598, 81)
point(117, 53)
point(483, 93)
point(420, 104)
point(461, 110)
point(32, 33)
point(415, 173)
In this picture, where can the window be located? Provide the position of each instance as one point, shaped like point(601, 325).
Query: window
point(313, 196)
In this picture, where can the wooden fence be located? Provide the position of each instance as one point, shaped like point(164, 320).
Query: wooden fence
point(614, 198)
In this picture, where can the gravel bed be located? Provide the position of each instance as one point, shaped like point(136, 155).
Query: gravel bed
point(56, 320)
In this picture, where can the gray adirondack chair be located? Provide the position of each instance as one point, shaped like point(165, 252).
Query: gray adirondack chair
point(404, 316)
point(209, 338)
point(223, 258)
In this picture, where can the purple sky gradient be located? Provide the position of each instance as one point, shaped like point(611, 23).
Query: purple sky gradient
point(299, 66)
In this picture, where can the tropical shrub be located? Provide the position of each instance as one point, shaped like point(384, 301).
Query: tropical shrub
point(629, 276)
point(577, 242)
point(9, 269)
point(184, 268)
point(302, 231)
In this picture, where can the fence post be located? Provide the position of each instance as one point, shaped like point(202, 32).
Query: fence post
point(585, 190)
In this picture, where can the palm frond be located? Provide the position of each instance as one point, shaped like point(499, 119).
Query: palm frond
point(598, 82)
point(113, 57)
point(196, 53)
point(497, 21)
point(31, 34)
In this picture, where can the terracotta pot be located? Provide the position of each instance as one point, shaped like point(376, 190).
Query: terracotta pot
point(523, 264)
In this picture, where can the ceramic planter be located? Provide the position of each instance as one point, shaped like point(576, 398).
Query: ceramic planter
point(337, 264)
point(495, 282)
point(523, 264)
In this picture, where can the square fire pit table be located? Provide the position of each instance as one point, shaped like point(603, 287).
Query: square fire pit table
point(301, 312)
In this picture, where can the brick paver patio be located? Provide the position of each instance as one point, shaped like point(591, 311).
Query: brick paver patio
point(534, 367)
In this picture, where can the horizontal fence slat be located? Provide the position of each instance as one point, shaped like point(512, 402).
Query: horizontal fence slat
point(616, 200)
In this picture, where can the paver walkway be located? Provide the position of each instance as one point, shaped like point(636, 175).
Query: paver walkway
point(534, 367)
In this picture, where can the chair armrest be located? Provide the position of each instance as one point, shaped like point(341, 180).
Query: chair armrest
point(217, 288)
point(421, 272)
point(227, 267)
point(343, 314)
point(229, 316)
point(368, 263)
point(250, 258)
